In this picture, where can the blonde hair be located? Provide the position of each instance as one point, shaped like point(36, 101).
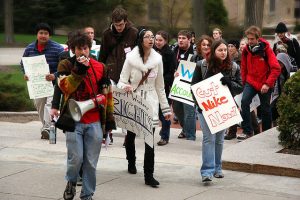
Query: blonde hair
point(217, 29)
point(253, 30)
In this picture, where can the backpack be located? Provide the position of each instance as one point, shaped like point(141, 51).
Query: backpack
point(203, 64)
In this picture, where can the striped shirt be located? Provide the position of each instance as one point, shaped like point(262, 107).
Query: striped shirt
point(51, 51)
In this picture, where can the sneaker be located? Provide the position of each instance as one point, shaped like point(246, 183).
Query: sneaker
point(244, 136)
point(70, 191)
point(45, 134)
point(219, 175)
point(162, 142)
point(181, 135)
point(206, 179)
point(229, 136)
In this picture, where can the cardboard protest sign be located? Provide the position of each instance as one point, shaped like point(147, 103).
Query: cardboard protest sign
point(218, 106)
point(181, 88)
point(36, 68)
point(133, 113)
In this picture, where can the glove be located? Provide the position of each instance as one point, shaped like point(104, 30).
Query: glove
point(226, 81)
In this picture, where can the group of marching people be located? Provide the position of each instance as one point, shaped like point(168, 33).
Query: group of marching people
point(142, 62)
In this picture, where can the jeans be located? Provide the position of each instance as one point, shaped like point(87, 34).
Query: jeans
point(83, 146)
point(248, 93)
point(212, 148)
point(187, 118)
point(165, 127)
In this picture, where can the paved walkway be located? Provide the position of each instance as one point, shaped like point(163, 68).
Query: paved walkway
point(33, 169)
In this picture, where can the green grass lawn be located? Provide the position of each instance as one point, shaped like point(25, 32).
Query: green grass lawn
point(13, 91)
point(25, 39)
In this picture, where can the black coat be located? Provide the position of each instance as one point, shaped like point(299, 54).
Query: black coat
point(293, 50)
point(169, 64)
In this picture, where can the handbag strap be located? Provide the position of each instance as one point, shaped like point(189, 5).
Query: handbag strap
point(143, 79)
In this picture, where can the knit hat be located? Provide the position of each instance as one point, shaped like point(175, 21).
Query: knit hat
point(281, 28)
point(235, 43)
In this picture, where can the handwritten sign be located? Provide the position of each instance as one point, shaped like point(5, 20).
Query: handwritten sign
point(133, 113)
point(36, 69)
point(181, 88)
point(218, 106)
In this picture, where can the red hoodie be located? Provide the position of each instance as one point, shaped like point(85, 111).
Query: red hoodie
point(257, 70)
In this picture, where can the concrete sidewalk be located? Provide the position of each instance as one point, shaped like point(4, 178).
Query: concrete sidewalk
point(33, 169)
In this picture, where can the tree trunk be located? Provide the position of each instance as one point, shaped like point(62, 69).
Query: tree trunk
point(199, 24)
point(254, 13)
point(8, 21)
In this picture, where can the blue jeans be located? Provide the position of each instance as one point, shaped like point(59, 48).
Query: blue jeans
point(83, 146)
point(187, 118)
point(165, 127)
point(248, 93)
point(212, 148)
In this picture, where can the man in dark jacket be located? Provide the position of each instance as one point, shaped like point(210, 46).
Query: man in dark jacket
point(117, 41)
point(293, 49)
point(260, 70)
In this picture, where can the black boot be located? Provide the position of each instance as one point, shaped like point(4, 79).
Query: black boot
point(150, 180)
point(149, 166)
point(131, 168)
point(130, 152)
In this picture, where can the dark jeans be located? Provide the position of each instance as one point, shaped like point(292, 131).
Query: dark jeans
point(187, 118)
point(148, 156)
point(165, 127)
point(266, 115)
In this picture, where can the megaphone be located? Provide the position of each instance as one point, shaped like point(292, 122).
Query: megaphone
point(79, 108)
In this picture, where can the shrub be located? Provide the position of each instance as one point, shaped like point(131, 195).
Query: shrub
point(13, 90)
point(289, 111)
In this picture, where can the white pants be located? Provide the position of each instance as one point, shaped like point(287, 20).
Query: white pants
point(43, 106)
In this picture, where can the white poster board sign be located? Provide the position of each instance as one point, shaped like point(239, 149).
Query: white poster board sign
point(254, 104)
point(181, 88)
point(217, 104)
point(133, 113)
point(36, 69)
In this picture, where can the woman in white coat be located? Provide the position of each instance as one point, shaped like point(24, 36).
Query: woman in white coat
point(139, 61)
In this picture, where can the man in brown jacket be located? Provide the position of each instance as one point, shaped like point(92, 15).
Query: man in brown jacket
point(117, 41)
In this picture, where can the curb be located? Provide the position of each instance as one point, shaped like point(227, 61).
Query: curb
point(261, 169)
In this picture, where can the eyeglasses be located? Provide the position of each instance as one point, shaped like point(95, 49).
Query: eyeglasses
point(149, 37)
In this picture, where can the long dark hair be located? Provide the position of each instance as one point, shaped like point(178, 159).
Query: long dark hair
point(215, 64)
point(140, 40)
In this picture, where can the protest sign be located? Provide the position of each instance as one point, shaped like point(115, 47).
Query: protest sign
point(218, 106)
point(36, 69)
point(181, 88)
point(133, 113)
point(254, 104)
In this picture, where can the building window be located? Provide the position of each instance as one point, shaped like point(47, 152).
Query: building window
point(272, 6)
point(297, 8)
